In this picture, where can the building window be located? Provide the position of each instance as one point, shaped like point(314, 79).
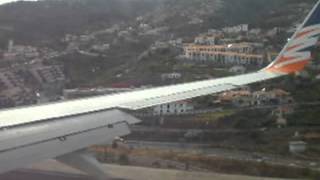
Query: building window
point(110, 126)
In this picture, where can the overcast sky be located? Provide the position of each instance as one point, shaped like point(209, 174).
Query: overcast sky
point(6, 1)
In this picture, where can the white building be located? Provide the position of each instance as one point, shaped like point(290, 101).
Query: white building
point(145, 27)
point(176, 108)
point(173, 75)
point(140, 18)
point(238, 69)
point(195, 20)
point(297, 146)
point(101, 48)
point(214, 31)
point(123, 33)
point(85, 38)
point(159, 45)
point(256, 31)
point(273, 32)
point(236, 29)
point(176, 43)
point(69, 38)
point(10, 46)
point(204, 39)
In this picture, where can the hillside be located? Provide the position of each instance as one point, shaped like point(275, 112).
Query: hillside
point(45, 23)
point(48, 21)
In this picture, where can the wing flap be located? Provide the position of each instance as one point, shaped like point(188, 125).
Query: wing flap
point(24, 135)
point(25, 145)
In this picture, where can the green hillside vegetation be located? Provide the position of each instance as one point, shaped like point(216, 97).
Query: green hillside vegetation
point(48, 21)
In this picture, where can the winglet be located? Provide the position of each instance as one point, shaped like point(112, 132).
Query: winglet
point(296, 54)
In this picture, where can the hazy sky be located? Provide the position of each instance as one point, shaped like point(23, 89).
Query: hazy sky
point(6, 1)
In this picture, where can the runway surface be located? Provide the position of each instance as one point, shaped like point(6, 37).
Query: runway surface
point(52, 170)
point(41, 175)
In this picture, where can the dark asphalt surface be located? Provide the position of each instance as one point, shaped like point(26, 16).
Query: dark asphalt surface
point(41, 175)
point(44, 175)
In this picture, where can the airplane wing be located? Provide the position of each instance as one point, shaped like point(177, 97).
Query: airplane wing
point(56, 130)
point(131, 100)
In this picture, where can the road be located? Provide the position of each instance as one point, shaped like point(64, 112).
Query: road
point(52, 170)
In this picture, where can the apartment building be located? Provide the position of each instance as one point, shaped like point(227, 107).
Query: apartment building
point(233, 54)
point(175, 108)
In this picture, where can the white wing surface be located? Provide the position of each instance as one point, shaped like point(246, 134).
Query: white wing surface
point(131, 100)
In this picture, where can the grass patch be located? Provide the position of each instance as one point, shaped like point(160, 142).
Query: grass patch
point(214, 116)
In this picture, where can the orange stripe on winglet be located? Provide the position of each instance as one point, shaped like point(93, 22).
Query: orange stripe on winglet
point(304, 33)
point(284, 59)
point(290, 68)
point(292, 47)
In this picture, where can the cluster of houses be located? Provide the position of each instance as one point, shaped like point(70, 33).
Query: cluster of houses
point(48, 74)
point(92, 44)
point(26, 54)
point(19, 52)
point(25, 74)
point(246, 98)
point(13, 90)
point(19, 87)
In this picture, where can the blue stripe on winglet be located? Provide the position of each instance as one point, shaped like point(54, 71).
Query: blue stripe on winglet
point(314, 18)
